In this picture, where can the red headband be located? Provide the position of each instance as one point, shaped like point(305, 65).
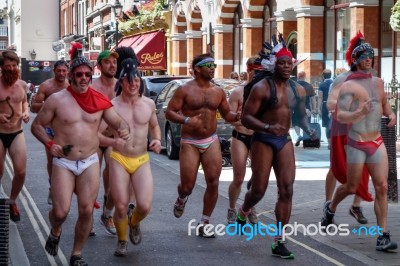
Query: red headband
point(283, 52)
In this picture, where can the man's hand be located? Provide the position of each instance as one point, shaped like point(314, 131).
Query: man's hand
point(392, 120)
point(155, 145)
point(25, 116)
point(123, 133)
point(4, 119)
point(119, 144)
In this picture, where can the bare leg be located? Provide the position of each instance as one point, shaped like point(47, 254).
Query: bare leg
point(330, 184)
point(239, 157)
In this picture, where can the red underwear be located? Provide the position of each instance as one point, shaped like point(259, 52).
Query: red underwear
point(338, 160)
point(369, 147)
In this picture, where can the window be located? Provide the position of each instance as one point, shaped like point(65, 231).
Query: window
point(337, 35)
point(3, 45)
point(3, 31)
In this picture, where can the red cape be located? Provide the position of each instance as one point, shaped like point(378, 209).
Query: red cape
point(90, 101)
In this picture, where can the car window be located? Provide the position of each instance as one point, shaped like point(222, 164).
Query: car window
point(171, 93)
point(163, 93)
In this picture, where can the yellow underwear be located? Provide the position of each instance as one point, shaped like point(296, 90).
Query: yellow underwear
point(130, 164)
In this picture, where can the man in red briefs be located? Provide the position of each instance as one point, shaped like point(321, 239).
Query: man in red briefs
point(361, 103)
point(75, 115)
point(338, 167)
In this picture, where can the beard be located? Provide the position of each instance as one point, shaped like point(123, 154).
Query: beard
point(9, 77)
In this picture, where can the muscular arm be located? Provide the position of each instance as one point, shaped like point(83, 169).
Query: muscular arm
point(252, 106)
point(225, 111)
point(174, 108)
point(115, 121)
point(155, 133)
point(39, 99)
point(236, 101)
point(43, 118)
point(386, 107)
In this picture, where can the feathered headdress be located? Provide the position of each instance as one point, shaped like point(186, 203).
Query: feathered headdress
point(354, 42)
point(75, 50)
point(277, 50)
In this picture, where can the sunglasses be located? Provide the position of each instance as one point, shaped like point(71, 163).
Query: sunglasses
point(80, 74)
point(208, 65)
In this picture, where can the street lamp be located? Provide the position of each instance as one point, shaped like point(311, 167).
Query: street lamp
point(117, 7)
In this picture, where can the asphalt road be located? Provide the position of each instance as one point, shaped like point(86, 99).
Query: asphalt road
point(165, 238)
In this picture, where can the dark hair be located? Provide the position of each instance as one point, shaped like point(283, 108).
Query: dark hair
point(327, 74)
point(124, 52)
point(198, 58)
point(9, 55)
point(60, 63)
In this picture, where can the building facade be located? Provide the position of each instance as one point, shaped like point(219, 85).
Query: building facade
point(234, 30)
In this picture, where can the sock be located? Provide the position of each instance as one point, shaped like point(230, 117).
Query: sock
point(242, 214)
point(136, 217)
point(205, 219)
point(107, 212)
point(182, 200)
point(122, 227)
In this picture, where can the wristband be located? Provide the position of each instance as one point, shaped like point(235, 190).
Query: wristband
point(186, 120)
point(50, 144)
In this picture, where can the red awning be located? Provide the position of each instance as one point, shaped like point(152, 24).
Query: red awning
point(128, 41)
point(149, 49)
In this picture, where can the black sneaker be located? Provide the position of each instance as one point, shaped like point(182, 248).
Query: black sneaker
point(202, 233)
point(383, 243)
point(327, 219)
point(241, 221)
point(14, 213)
point(357, 213)
point(279, 250)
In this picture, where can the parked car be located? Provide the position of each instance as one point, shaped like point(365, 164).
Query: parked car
point(154, 84)
point(171, 132)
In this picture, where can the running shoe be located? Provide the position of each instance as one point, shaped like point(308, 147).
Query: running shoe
point(179, 207)
point(108, 224)
point(253, 218)
point(231, 216)
point(14, 213)
point(383, 243)
point(77, 260)
point(240, 220)
point(327, 219)
point(357, 213)
point(122, 248)
point(204, 234)
point(279, 250)
point(135, 235)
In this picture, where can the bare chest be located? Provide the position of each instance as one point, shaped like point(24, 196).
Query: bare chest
point(208, 100)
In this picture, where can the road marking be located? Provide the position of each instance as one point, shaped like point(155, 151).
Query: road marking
point(31, 216)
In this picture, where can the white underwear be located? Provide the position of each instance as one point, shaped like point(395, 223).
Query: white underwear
point(77, 167)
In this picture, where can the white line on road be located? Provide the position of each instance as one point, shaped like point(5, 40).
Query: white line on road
point(32, 219)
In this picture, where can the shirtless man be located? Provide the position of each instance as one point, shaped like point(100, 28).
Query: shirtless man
point(107, 64)
point(269, 116)
point(361, 104)
point(75, 115)
point(129, 163)
point(240, 149)
point(13, 110)
point(46, 89)
point(339, 131)
point(195, 105)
